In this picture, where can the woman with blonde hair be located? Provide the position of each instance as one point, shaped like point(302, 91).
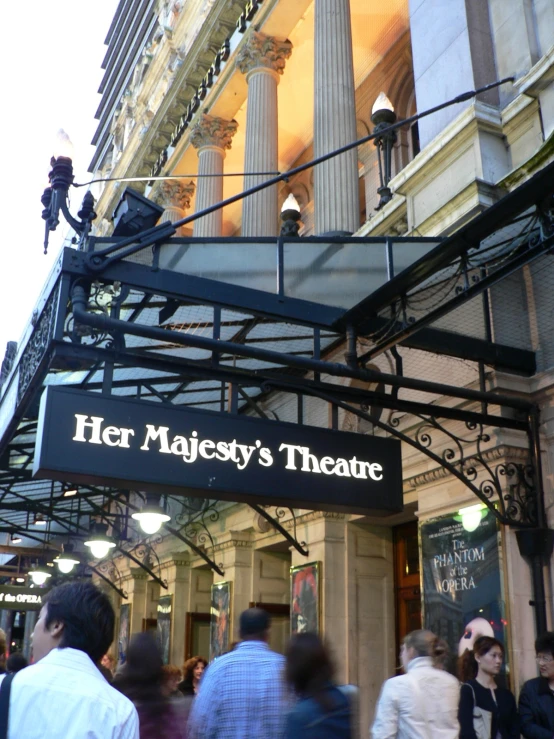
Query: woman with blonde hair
point(423, 703)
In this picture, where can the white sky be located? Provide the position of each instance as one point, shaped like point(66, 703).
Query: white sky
point(50, 55)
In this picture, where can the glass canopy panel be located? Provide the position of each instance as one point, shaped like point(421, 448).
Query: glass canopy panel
point(246, 264)
point(335, 273)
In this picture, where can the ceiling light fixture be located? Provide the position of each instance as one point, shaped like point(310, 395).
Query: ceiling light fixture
point(66, 559)
point(15, 539)
point(471, 516)
point(151, 516)
point(39, 520)
point(99, 542)
point(39, 575)
point(69, 493)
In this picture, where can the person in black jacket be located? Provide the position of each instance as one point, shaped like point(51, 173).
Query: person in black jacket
point(478, 670)
point(536, 700)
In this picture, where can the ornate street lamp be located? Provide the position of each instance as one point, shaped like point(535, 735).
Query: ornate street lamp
point(55, 197)
point(290, 215)
point(151, 516)
point(383, 116)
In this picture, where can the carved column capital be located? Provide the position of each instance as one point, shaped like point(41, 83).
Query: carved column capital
point(174, 193)
point(261, 51)
point(212, 131)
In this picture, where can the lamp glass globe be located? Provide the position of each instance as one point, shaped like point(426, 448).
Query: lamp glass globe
point(65, 565)
point(150, 522)
point(99, 548)
point(39, 577)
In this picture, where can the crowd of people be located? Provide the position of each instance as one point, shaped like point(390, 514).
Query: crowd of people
point(427, 702)
point(72, 689)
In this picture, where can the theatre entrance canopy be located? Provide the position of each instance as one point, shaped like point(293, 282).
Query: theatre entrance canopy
point(178, 344)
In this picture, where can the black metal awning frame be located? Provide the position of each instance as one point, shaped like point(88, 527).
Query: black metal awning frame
point(77, 330)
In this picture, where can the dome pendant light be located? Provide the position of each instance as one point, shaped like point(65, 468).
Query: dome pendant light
point(66, 560)
point(39, 575)
point(151, 516)
point(99, 542)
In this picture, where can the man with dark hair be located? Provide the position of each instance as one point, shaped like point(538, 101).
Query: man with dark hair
point(64, 694)
point(536, 700)
point(243, 693)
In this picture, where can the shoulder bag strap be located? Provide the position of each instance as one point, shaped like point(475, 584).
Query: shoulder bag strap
point(5, 690)
point(469, 685)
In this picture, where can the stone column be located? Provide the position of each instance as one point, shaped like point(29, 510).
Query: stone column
point(236, 553)
point(136, 590)
point(211, 136)
point(178, 583)
point(262, 59)
point(335, 181)
point(325, 536)
point(174, 196)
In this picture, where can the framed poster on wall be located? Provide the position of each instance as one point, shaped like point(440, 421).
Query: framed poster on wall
point(124, 632)
point(462, 584)
point(304, 598)
point(163, 626)
point(220, 619)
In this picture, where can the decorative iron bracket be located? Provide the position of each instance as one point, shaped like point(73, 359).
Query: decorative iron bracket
point(196, 550)
point(126, 553)
point(104, 567)
point(299, 546)
point(518, 502)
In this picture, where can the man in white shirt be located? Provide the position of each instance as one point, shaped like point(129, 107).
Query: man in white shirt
point(64, 694)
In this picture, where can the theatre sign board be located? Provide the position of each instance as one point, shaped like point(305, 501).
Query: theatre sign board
point(90, 438)
point(20, 599)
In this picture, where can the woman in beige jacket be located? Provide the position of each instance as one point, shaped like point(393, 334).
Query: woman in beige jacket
point(423, 703)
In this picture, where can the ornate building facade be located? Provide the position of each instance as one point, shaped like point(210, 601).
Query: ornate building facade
point(219, 96)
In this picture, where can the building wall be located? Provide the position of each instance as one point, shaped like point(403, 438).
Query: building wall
point(471, 154)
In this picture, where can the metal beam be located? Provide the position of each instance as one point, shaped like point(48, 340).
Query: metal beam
point(267, 380)
point(202, 290)
point(113, 325)
point(466, 238)
point(525, 257)
point(500, 356)
point(26, 551)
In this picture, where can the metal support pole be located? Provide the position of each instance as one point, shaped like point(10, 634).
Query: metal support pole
point(536, 545)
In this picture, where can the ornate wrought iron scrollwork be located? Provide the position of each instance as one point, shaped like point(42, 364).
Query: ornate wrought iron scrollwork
point(194, 525)
point(144, 554)
point(280, 513)
point(38, 343)
point(507, 488)
point(103, 297)
point(108, 571)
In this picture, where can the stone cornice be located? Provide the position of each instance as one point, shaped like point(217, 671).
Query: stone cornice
point(310, 516)
point(491, 456)
point(233, 544)
point(142, 150)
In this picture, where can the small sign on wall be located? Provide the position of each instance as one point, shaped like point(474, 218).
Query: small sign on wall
point(163, 626)
point(220, 619)
point(304, 598)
